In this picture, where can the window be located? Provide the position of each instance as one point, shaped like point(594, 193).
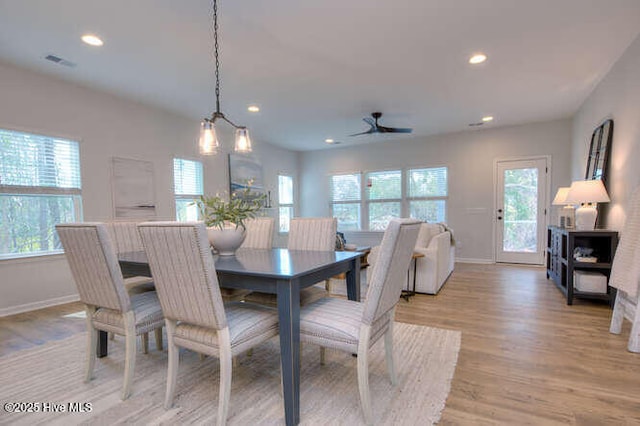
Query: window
point(427, 194)
point(187, 182)
point(39, 188)
point(285, 202)
point(419, 193)
point(384, 198)
point(345, 200)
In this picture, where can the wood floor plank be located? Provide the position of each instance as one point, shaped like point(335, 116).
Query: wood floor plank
point(526, 357)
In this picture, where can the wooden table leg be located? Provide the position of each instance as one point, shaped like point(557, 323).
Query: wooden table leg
point(103, 344)
point(353, 280)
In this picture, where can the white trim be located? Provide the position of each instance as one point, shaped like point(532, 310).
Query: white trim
point(472, 260)
point(33, 306)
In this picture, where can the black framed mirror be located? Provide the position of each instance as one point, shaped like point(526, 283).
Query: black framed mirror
point(598, 159)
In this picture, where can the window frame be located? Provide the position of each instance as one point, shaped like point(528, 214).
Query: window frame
point(187, 197)
point(42, 190)
point(286, 205)
point(405, 200)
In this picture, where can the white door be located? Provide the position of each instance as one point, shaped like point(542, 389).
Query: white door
point(521, 197)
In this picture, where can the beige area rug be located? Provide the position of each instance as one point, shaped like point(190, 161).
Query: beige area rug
point(425, 360)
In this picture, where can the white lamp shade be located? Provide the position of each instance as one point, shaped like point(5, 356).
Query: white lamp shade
point(561, 196)
point(587, 191)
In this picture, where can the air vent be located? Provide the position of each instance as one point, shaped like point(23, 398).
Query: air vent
point(60, 61)
point(476, 124)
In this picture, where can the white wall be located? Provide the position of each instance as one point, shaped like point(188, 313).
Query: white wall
point(105, 126)
point(617, 96)
point(470, 158)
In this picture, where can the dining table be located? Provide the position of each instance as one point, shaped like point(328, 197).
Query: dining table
point(277, 271)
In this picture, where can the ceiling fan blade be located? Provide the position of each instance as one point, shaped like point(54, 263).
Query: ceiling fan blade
point(369, 121)
point(368, 132)
point(384, 129)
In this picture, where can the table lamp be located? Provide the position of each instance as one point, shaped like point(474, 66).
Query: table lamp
point(587, 193)
point(567, 214)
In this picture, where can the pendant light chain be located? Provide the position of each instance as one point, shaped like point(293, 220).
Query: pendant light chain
point(216, 54)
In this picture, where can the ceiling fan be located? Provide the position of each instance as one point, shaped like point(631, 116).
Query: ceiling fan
point(376, 128)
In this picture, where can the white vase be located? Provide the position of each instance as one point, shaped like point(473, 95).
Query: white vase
point(227, 240)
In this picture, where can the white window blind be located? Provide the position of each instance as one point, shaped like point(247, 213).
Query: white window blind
point(285, 202)
point(188, 186)
point(427, 193)
point(384, 198)
point(40, 186)
point(187, 177)
point(346, 194)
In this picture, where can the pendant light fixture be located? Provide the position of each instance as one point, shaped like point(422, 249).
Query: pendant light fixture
point(209, 143)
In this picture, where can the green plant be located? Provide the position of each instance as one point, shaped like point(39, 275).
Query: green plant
point(217, 212)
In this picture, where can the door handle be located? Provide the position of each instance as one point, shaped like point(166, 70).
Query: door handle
point(499, 217)
point(499, 210)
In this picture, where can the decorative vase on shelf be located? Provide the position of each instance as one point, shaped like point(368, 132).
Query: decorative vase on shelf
point(226, 240)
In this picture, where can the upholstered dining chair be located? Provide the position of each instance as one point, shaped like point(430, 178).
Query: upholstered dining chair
point(182, 264)
point(108, 305)
point(308, 233)
point(354, 327)
point(625, 276)
point(259, 233)
point(125, 238)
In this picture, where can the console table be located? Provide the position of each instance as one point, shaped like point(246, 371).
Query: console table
point(561, 243)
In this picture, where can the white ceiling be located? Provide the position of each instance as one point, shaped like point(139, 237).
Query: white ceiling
point(317, 68)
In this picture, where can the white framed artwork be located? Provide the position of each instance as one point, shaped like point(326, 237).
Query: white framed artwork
point(133, 190)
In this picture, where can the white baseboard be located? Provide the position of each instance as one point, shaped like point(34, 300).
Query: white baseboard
point(471, 260)
point(12, 310)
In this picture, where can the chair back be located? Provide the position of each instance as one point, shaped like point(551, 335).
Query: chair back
point(259, 233)
point(390, 270)
point(125, 236)
point(313, 233)
point(184, 272)
point(94, 265)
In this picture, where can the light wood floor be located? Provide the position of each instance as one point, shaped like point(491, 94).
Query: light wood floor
point(526, 357)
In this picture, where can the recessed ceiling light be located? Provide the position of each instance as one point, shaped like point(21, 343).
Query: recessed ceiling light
point(92, 40)
point(487, 118)
point(478, 58)
point(329, 140)
point(253, 108)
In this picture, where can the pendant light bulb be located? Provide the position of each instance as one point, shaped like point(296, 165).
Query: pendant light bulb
point(243, 141)
point(208, 139)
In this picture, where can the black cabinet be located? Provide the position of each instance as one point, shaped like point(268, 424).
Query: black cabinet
point(561, 263)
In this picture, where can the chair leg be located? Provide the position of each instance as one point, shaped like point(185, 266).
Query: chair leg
point(634, 336)
point(130, 351)
point(618, 314)
point(388, 351)
point(145, 343)
point(363, 373)
point(158, 336)
point(224, 343)
point(92, 342)
point(322, 355)
point(174, 360)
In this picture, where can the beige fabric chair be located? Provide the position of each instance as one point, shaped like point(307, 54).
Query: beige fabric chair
point(305, 234)
point(625, 276)
point(125, 238)
point(195, 316)
point(354, 327)
point(108, 305)
point(259, 233)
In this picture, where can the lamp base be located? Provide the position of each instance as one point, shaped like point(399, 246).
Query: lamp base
point(586, 217)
